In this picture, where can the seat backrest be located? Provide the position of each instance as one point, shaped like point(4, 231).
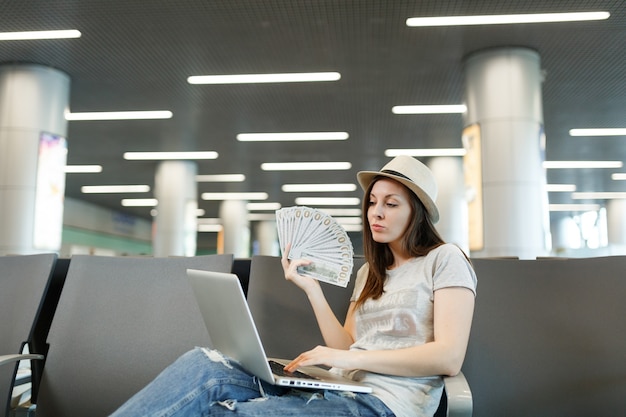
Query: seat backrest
point(281, 311)
point(119, 322)
point(549, 338)
point(24, 281)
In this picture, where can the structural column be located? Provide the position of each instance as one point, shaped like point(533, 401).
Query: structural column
point(176, 224)
point(451, 200)
point(266, 238)
point(616, 222)
point(505, 117)
point(236, 228)
point(33, 152)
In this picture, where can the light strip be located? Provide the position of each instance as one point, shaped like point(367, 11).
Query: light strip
point(598, 132)
point(573, 207)
point(162, 156)
point(505, 19)
point(40, 34)
point(305, 166)
point(426, 152)
point(352, 227)
point(209, 220)
point(618, 176)
point(342, 211)
point(327, 201)
point(582, 164)
point(348, 220)
point(291, 137)
point(262, 217)
point(82, 169)
point(139, 202)
point(430, 109)
point(608, 195)
point(120, 115)
point(234, 196)
point(263, 206)
point(308, 188)
point(557, 188)
point(104, 189)
point(264, 78)
point(221, 178)
point(208, 228)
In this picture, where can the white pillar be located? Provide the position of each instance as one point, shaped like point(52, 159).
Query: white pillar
point(236, 228)
point(267, 238)
point(176, 222)
point(33, 152)
point(616, 222)
point(503, 97)
point(451, 200)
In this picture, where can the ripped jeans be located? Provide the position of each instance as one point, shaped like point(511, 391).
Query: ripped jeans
point(203, 382)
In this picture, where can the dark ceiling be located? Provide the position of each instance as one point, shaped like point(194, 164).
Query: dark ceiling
point(137, 55)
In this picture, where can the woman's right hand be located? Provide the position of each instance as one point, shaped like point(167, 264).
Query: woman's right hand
point(307, 284)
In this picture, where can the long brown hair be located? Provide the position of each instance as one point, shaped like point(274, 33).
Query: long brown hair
point(420, 237)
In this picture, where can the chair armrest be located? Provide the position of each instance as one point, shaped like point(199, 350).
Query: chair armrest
point(459, 396)
point(6, 359)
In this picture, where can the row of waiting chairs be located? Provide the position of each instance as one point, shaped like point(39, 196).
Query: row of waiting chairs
point(106, 326)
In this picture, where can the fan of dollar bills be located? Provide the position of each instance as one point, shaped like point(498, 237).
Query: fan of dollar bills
point(316, 236)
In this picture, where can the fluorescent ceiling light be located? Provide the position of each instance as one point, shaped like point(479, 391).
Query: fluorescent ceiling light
point(82, 169)
point(352, 227)
point(120, 115)
point(262, 217)
point(582, 164)
point(598, 195)
point(221, 178)
point(209, 220)
point(305, 166)
point(426, 152)
point(102, 189)
point(430, 109)
point(263, 206)
point(292, 137)
point(139, 202)
point(505, 19)
point(40, 34)
point(200, 212)
point(348, 220)
point(306, 188)
point(264, 78)
point(573, 207)
point(342, 211)
point(618, 176)
point(598, 132)
point(234, 196)
point(565, 188)
point(215, 228)
point(327, 201)
point(162, 156)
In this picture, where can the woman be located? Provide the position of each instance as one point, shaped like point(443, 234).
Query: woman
point(408, 323)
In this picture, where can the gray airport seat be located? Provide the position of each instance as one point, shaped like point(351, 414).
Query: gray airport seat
point(24, 281)
point(119, 322)
point(549, 338)
point(283, 314)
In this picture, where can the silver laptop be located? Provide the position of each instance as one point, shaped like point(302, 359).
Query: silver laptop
point(232, 331)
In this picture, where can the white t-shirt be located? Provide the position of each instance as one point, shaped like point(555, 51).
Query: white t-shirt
point(403, 317)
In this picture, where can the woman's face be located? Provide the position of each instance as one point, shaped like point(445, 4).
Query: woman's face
point(389, 211)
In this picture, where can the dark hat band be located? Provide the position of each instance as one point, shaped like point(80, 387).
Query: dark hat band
point(396, 173)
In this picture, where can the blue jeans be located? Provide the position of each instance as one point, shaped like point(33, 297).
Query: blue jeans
point(203, 382)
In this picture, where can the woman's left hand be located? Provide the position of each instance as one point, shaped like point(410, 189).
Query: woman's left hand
point(322, 355)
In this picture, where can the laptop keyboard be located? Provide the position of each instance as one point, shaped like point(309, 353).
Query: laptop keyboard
point(278, 369)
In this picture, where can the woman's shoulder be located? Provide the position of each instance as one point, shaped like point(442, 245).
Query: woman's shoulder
point(447, 249)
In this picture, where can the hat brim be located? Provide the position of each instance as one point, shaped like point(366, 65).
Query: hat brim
point(365, 178)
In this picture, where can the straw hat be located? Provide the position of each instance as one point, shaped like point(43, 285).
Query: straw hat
point(414, 175)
